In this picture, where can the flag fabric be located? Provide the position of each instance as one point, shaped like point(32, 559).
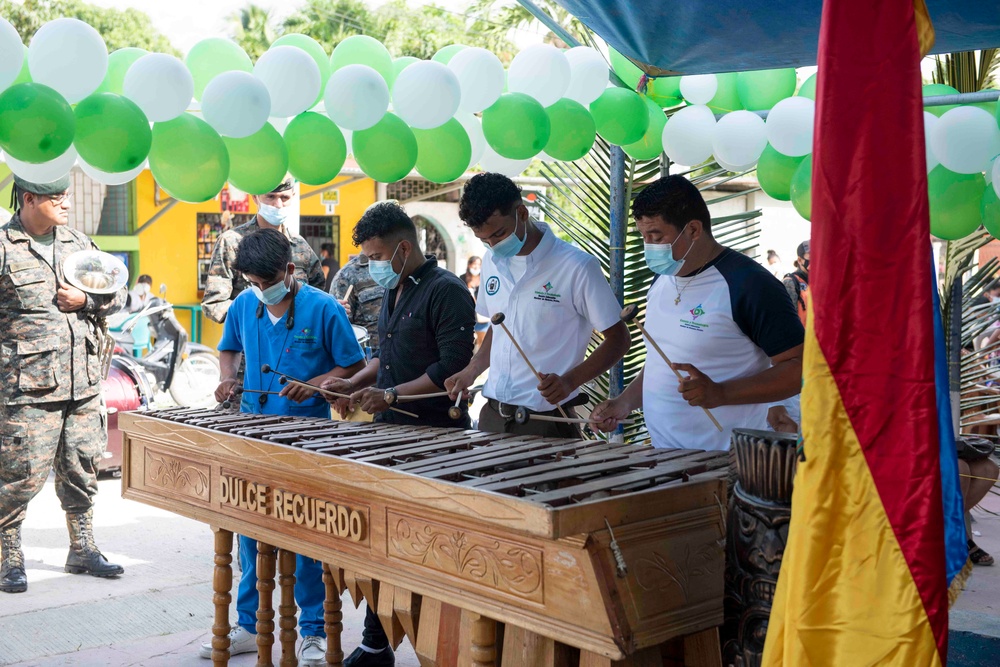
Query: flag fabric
point(863, 581)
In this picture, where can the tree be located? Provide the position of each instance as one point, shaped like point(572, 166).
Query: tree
point(500, 16)
point(330, 22)
point(254, 30)
point(119, 28)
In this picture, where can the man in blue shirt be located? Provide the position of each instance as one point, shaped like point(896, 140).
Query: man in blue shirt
point(302, 331)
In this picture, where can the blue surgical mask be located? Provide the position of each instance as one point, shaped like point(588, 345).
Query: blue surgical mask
point(511, 245)
point(274, 215)
point(382, 271)
point(273, 295)
point(660, 257)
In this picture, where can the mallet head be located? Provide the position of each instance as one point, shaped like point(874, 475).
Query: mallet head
point(629, 312)
point(455, 413)
point(497, 319)
point(389, 397)
point(521, 416)
point(283, 380)
point(265, 369)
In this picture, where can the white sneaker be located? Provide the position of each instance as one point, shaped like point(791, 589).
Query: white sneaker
point(240, 641)
point(312, 653)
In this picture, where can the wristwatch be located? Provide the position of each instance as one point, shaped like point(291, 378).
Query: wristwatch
point(390, 395)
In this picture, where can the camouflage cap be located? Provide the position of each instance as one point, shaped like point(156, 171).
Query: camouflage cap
point(287, 184)
point(54, 188)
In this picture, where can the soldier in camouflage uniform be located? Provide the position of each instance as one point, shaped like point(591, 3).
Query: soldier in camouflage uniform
point(366, 297)
point(223, 285)
point(51, 408)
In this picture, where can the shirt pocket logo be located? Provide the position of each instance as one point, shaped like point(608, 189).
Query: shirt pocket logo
point(492, 285)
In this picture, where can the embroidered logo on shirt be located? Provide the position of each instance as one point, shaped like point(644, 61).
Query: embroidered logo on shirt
point(492, 285)
point(548, 294)
point(696, 312)
point(692, 324)
point(305, 336)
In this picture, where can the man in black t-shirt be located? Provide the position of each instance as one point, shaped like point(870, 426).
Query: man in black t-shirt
point(327, 253)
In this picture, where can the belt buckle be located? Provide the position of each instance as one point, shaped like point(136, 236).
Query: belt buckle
point(500, 406)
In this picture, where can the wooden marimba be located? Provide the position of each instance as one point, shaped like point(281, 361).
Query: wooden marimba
point(480, 548)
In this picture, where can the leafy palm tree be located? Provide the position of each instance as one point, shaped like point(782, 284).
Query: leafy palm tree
point(255, 30)
point(500, 16)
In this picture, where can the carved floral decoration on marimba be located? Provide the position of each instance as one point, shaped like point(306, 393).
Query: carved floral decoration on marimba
point(176, 475)
point(660, 573)
point(500, 565)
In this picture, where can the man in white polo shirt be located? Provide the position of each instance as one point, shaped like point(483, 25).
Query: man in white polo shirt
point(721, 317)
point(553, 297)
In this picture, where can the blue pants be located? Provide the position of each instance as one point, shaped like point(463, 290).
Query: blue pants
point(309, 592)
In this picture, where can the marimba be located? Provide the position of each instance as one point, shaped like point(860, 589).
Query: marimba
point(480, 548)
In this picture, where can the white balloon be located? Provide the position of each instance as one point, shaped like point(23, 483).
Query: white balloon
point(292, 78)
point(588, 74)
point(474, 128)
point(11, 53)
point(498, 164)
point(699, 88)
point(426, 95)
point(790, 126)
point(44, 172)
point(739, 139)
point(965, 139)
point(116, 178)
point(160, 85)
point(236, 104)
point(688, 134)
point(545, 157)
point(930, 120)
point(480, 76)
point(356, 97)
point(541, 71)
point(69, 56)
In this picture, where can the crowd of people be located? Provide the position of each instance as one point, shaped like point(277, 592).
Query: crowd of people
point(733, 329)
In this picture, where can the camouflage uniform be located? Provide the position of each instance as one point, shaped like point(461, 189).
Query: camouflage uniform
point(223, 285)
point(366, 299)
point(51, 407)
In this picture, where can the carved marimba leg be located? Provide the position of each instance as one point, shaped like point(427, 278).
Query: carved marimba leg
point(333, 615)
point(222, 584)
point(286, 610)
point(265, 609)
point(702, 649)
point(484, 638)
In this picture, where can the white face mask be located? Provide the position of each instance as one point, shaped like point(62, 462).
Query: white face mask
point(474, 272)
point(142, 289)
point(274, 215)
point(995, 299)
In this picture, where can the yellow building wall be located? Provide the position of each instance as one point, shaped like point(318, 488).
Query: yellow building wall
point(168, 248)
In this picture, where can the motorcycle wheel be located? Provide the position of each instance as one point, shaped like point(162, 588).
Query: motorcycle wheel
point(195, 381)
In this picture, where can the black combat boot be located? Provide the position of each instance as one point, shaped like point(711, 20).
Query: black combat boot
point(12, 577)
point(84, 556)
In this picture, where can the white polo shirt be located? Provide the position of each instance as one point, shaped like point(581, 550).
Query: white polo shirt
point(732, 317)
point(551, 310)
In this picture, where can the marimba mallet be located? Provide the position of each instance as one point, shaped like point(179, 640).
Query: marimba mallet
point(226, 404)
point(392, 397)
point(288, 379)
point(628, 314)
point(522, 416)
point(497, 320)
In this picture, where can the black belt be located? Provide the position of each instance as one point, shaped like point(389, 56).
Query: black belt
point(507, 410)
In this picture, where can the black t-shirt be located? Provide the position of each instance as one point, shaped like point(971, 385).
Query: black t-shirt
point(333, 266)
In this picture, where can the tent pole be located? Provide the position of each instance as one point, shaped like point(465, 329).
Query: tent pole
point(549, 22)
point(619, 222)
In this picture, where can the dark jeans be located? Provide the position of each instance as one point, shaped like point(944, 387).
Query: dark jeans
point(374, 636)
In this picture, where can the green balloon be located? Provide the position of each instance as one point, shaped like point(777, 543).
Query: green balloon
point(444, 152)
point(808, 88)
point(573, 130)
point(36, 123)
point(762, 89)
point(621, 116)
point(775, 171)
point(258, 163)
point(626, 70)
point(388, 151)
point(362, 50)
point(315, 51)
point(316, 148)
point(801, 187)
point(112, 133)
point(118, 64)
point(24, 76)
point(991, 211)
point(188, 159)
point(445, 54)
point(726, 97)
point(516, 126)
point(399, 64)
point(651, 145)
point(935, 89)
point(665, 91)
point(955, 202)
point(211, 57)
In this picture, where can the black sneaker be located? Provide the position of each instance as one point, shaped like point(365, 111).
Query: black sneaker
point(362, 658)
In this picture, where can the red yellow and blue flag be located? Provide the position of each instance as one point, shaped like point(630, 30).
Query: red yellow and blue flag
point(876, 512)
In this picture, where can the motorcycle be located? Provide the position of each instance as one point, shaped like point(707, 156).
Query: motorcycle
point(189, 372)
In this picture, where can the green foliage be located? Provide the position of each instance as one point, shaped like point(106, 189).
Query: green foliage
point(119, 28)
